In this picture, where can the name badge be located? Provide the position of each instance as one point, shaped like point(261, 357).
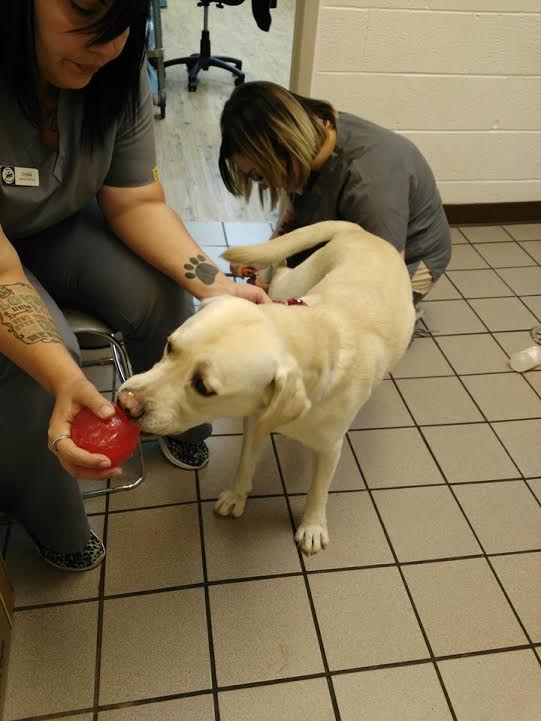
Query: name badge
point(13, 175)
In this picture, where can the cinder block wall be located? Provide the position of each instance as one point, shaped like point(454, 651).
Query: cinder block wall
point(461, 78)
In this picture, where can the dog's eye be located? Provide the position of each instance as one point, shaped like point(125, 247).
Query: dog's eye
point(201, 388)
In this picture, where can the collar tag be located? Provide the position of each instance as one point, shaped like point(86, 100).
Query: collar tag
point(15, 175)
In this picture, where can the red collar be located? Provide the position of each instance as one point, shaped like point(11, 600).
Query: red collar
point(291, 301)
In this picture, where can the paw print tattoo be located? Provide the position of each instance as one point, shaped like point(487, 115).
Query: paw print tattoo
point(198, 268)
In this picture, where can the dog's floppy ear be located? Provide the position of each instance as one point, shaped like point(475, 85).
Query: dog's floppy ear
point(288, 399)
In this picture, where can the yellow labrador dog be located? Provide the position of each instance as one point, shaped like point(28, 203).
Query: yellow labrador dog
point(302, 370)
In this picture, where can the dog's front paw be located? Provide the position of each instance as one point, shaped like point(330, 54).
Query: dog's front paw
point(312, 537)
point(230, 503)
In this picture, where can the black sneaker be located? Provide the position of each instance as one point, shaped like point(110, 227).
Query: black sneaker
point(90, 557)
point(190, 456)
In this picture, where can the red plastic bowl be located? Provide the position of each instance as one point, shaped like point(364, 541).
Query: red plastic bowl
point(116, 437)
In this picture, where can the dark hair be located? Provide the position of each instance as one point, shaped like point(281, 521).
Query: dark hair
point(280, 131)
point(113, 91)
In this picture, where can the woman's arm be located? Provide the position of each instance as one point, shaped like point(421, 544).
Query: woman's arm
point(141, 219)
point(31, 340)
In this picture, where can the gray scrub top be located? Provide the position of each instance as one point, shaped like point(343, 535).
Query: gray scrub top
point(71, 177)
point(379, 180)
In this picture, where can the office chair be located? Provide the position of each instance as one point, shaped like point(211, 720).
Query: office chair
point(203, 60)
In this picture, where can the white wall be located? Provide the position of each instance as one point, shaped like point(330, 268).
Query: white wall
point(461, 78)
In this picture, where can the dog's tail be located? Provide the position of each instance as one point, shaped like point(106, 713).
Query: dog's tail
point(278, 249)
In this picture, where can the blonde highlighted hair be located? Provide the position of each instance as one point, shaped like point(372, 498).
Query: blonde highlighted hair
point(279, 131)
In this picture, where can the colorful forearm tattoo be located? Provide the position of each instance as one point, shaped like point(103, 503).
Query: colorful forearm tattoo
point(25, 315)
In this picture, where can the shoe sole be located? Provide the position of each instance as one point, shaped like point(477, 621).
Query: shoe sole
point(171, 458)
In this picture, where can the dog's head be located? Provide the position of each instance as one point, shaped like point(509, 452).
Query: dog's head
point(227, 360)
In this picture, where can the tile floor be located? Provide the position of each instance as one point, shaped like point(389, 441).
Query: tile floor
point(425, 607)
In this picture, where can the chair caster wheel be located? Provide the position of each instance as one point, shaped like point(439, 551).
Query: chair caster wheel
point(192, 87)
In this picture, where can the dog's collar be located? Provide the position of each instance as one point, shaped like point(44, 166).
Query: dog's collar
point(291, 301)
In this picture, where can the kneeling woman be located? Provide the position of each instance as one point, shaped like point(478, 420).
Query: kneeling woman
point(334, 165)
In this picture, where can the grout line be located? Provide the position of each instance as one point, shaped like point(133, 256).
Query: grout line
point(101, 608)
point(212, 657)
point(285, 679)
point(330, 685)
point(293, 574)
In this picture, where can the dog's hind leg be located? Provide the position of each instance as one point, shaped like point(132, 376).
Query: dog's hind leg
point(232, 501)
point(312, 534)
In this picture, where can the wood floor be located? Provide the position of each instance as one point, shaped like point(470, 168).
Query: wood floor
point(189, 136)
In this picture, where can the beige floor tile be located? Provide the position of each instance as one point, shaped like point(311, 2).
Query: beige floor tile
point(425, 523)
point(206, 233)
point(394, 457)
point(457, 236)
point(196, 708)
point(423, 358)
point(505, 515)
point(479, 283)
point(485, 233)
point(504, 314)
point(534, 304)
point(462, 607)
point(384, 408)
point(494, 687)
point(514, 341)
point(80, 717)
point(521, 438)
point(36, 582)
point(444, 317)
point(259, 543)
point(524, 281)
point(366, 618)
point(410, 693)
point(524, 231)
point(154, 645)
point(470, 452)
point(438, 400)
point(296, 701)
point(535, 485)
point(52, 660)
point(224, 458)
point(533, 248)
point(504, 255)
point(156, 548)
point(164, 483)
point(247, 233)
point(263, 630)
point(443, 289)
point(503, 396)
point(520, 574)
point(465, 257)
point(357, 538)
point(296, 462)
point(476, 353)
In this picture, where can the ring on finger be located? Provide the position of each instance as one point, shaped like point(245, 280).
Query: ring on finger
point(57, 440)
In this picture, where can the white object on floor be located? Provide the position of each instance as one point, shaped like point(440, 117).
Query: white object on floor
point(525, 360)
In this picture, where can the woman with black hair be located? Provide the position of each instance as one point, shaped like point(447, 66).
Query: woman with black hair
point(76, 125)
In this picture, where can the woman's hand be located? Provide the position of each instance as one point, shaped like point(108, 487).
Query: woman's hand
point(254, 293)
point(70, 398)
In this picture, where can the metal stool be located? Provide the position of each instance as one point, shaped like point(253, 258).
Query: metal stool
point(93, 334)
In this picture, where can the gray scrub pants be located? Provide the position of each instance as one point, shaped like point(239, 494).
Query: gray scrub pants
point(78, 262)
